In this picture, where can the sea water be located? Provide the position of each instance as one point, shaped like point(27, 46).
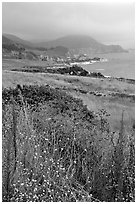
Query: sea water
point(118, 65)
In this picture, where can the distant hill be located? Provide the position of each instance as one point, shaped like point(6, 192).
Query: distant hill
point(78, 42)
point(5, 40)
point(9, 45)
point(57, 51)
point(13, 43)
point(71, 42)
point(59, 47)
point(52, 50)
point(18, 40)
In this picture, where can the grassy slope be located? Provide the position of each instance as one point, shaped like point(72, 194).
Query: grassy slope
point(8, 64)
point(94, 157)
point(73, 85)
point(54, 149)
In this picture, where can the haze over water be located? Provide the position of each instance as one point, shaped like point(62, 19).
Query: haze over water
point(108, 22)
point(118, 65)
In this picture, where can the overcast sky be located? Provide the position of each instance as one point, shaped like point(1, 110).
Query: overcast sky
point(110, 23)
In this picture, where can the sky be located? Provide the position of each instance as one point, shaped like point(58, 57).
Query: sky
point(109, 23)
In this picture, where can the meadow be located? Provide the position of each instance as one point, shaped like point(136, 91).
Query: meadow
point(67, 138)
point(96, 93)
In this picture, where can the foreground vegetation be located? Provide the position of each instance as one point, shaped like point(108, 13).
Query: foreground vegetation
point(55, 149)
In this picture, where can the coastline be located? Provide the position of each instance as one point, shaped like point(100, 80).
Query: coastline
point(118, 65)
point(89, 62)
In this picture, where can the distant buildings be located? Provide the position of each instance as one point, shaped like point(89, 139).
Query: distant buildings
point(44, 57)
point(56, 59)
point(16, 54)
point(74, 59)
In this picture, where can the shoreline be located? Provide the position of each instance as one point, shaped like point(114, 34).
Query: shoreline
point(119, 78)
point(89, 62)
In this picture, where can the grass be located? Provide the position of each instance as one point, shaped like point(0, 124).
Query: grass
point(113, 107)
point(64, 152)
point(71, 84)
point(62, 142)
point(84, 82)
point(8, 64)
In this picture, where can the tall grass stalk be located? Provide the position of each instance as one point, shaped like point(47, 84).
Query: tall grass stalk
point(64, 158)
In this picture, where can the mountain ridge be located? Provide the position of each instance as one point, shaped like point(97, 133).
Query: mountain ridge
point(82, 42)
point(18, 40)
point(70, 41)
point(17, 44)
point(74, 43)
point(9, 45)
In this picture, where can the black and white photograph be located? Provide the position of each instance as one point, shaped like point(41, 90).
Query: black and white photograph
point(68, 101)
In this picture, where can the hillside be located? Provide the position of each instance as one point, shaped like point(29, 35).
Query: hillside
point(77, 42)
point(6, 40)
point(74, 43)
point(57, 51)
point(68, 135)
point(111, 94)
point(9, 45)
point(18, 40)
point(13, 43)
point(61, 152)
point(71, 42)
point(15, 50)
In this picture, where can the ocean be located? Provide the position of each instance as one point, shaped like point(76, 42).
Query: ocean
point(118, 65)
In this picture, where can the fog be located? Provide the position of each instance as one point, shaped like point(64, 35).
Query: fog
point(110, 23)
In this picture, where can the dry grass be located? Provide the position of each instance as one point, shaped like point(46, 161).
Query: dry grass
point(64, 159)
point(81, 82)
point(8, 64)
point(114, 106)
